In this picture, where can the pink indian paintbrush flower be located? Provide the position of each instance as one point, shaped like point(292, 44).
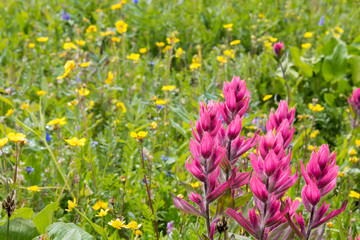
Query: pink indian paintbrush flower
point(354, 101)
point(278, 47)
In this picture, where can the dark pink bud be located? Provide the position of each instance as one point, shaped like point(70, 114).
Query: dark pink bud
point(269, 140)
point(258, 188)
point(234, 128)
point(185, 206)
point(310, 195)
point(230, 99)
point(270, 163)
point(206, 145)
point(277, 48)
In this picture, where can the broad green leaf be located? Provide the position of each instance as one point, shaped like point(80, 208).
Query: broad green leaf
point(330, 99)
point(25, 213)
point(58, 230)
point(334, 67)
point(305, 68)
point(44, 218)
point(20, 229)
point(72, 234)
point(355, 69)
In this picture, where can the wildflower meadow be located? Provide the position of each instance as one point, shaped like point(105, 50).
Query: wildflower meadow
point(179, 119)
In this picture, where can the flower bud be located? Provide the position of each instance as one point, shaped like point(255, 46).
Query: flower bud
point(234, 128)
point(206, 145)
point(278, 48)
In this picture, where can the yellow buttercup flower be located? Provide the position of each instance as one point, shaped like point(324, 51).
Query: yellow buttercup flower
point(221, 59)
point(42, 39)
point(84, 91)
point(31, 45)
point(57, 121)
point(138, 233)
point(117, 223)
point(33, 189)
point(354, 194)
point(71, 205)
point(168, 88)
point(172, 40)
point(267, 97)
point(91, 28)
point(40, 93)
point(69, 65)
point(357, 142)
point(316, 108)
point(160, 44)
point(84, 64)
point(76, 142)
point(179, 52)
point(69, 45)
point(122, 106)
point(9, 112)
point(196, 184)
point(139, 136)
point(154, 125)
point(3, 141)
point(235, 42)
point(24, 106)
point(17, 137)
point(102, 213)
point(133, 225)
point(339, 30)
point(142, 50)
point(115, 39)
point(228, 26)
point(272, 39)
point(353, 152)
point(260, 15)
point(329, 224)
point(230, 53)
point(195, 66)
point(133, 56)
point(353, 159)
point(80, 42)
point(160, 102)
point(107, 33)
point(308, 35)
point(310, 147)
point(118, 5)
point(100, 204)
point(121, 26)
point(314, 134)
point(306, 45)
point(341, 174)
point(109, 78)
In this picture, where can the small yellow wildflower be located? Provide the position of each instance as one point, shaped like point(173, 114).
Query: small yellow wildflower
point(69, 65)
point(133, 225)
point(267, 97)
point(80, 42)
point(33, 189)
point(196, 184)
point(229, 53)
point(195, 65)
point(260, 15)
point(166, 48)
point(117, 223)
point(142, 50)
point(168, 88)
point(179, 52)
point(40, 93)
point(306, 45)
point(3, 141)
point(107, 33)
point(180, 196)
point(42, 39)
point(311, 147)
point(268, 44)
point(339, 30)
point(17, 137)
point(228, 26)
point(221, 59)
point(31, 45)
point(329, 224)
point(24, 106)
point(57, 121)
point(314, 134)
point(121, 26)
point(109, 78)
point(357, 142)
point(308, 35)
point(272, 39)
point(353, 152)
point(353, 159)
point(100, 204)
point(138, 233)
point(84, 91)
point(154, 125)
point(235, 42)
point(139, 136)
point(102, 213)
point(84, 64)
point(91, 28)
point(133, 56)
point(341, 174)
point(354, 194)
point(160, 44)
point(71, 205)
point(9, 112)
point(118, 5)
point(115, 39)
point(172, 40)
point(76, 142)
point(316, 108)
point(122, 106)
point(160, 102)
point(69, 45)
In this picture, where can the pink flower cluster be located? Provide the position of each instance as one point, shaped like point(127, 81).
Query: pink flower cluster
point(354, 101)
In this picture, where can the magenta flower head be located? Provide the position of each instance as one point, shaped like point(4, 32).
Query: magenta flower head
point(310, 195)
point(278, 47)
point(354, 100)
point(321, 169)
point(237, 99)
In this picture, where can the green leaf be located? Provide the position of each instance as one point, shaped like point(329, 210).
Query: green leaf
point(334, 66)
point(306, 69)
point(72, 234)
point(44, 218)
point(25, 213)
point(6, 100)
point(240, 201)
point(58, 230)
point(115, 236)
point(330, 99)
point(20, 229)
point(225, 201)
point(355, 69)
